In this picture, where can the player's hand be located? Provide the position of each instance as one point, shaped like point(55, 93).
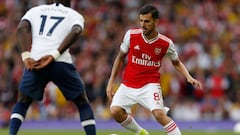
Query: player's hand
point(30, 64)
point(195, 83)
point(110, 91)
point(44, 61)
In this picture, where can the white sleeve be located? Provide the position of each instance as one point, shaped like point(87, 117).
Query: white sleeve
point(77, 19)
point(171, 52)
point(126, 42)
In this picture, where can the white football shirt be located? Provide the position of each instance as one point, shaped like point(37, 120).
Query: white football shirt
point(50, 24)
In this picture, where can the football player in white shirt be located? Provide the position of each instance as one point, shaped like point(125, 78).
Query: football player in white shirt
point(145, 49)
point(53, 29)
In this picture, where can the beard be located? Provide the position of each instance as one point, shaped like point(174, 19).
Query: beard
point(147, 32)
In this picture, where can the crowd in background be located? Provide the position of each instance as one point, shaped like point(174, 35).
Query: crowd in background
point(206, 34)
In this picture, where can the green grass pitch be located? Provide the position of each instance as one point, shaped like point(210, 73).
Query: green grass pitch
point(109, 132)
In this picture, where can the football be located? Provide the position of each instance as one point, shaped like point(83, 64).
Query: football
point(236, 127)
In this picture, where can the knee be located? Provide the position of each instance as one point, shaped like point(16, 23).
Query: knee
point(160, 116)
point(118, 113)
point(81, 99)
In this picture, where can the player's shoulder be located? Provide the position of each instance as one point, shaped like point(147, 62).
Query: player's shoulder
point(165, 38)
point(54, 7)
point(37, 8)
point(72, 12)
point(135, 30)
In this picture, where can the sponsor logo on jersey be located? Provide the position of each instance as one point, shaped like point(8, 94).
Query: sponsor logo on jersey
point(145, 61)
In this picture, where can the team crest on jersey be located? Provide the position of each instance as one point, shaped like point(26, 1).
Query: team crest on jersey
point(157, 51)
point(136, 47)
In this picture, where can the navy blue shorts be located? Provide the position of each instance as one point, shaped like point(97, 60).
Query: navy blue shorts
point(64, 75)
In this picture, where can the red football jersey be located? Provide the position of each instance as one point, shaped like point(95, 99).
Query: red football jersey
point(144, 58)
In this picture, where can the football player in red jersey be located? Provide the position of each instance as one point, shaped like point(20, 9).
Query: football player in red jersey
point(145, 48)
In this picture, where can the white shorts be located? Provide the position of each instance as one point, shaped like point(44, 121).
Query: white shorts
point(149, 96)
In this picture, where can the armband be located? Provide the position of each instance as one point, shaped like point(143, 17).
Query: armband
point(55, 54)
point(25, 55)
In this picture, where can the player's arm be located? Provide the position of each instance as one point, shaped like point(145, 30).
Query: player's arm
point(24, 34)
point(118, 62)
point(24, 39)
point(67, 42)
point(182, 69)
point(172, 53)
point(117, 65)
point(70, 38)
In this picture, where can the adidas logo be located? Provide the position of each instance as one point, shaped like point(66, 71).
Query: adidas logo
point(136, 47)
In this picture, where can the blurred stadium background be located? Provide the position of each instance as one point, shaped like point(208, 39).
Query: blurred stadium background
point(206, 34)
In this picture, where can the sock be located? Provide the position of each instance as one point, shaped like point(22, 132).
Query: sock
point(17, 117)
point(87, 119)
point(131, 124)
point(172, 129)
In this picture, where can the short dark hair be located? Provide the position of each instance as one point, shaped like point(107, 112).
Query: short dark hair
point(64, 2)
point(149, 9)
